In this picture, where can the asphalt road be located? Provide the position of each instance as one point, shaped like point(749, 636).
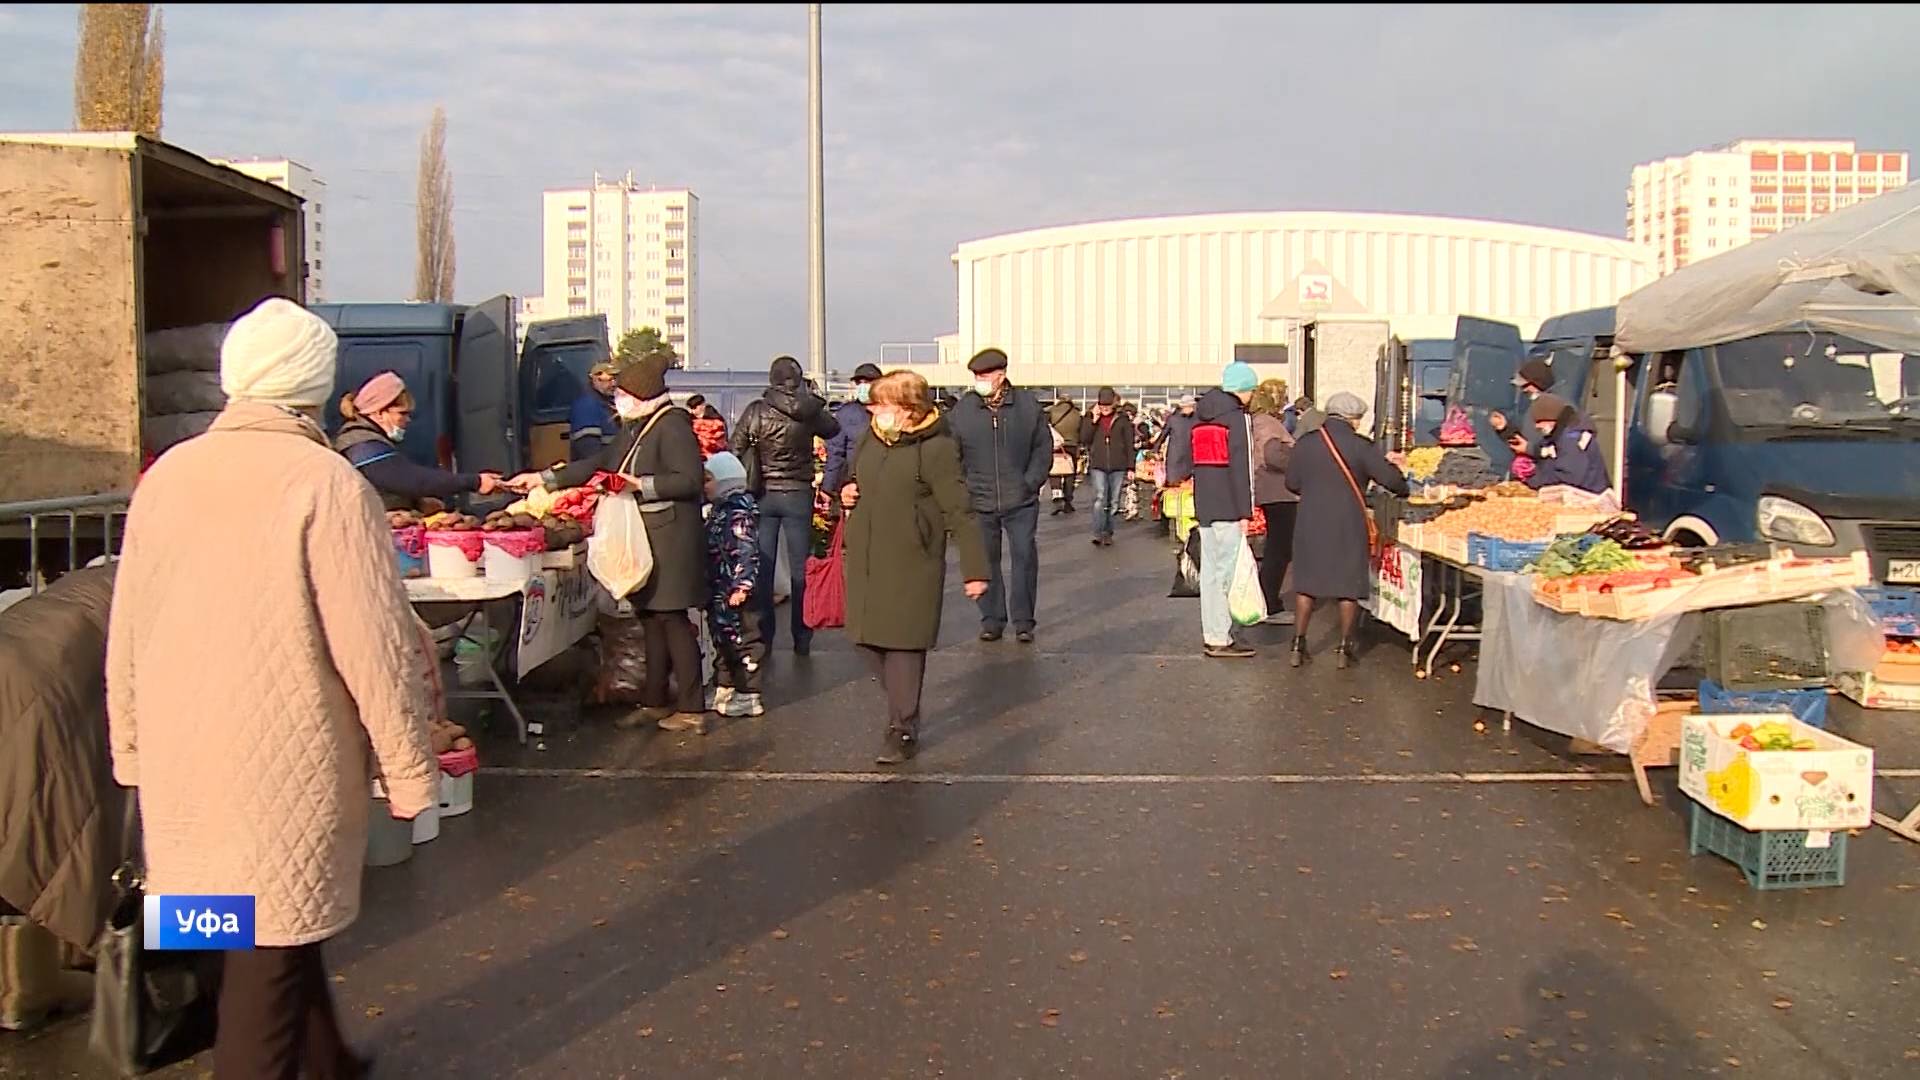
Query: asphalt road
point(1114, 858)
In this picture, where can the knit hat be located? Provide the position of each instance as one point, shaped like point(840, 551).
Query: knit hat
point(1187, 401)
point(645, 379)
point(729, 474)
point(1535, 373)
point(279, 354)
point(1346, 404)
point(987, 360)
point(378, 392)
point(866, 373)
point(1547, 408)
point(1239, 378)
point(785, 371)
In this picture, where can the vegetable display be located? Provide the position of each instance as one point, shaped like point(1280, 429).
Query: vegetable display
point(1771, 735)
point(1424, 461)
point(1573, 556)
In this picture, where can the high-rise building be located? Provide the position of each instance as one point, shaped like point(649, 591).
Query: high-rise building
point(628, 252)
point(1691, 208)
point(297, 178)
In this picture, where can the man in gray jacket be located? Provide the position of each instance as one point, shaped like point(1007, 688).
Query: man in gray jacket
point(1006, 449)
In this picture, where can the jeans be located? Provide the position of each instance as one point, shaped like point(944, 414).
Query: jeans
point(1219, 551)
point(1106, 499)
point(787, 514)
point(1019, 526)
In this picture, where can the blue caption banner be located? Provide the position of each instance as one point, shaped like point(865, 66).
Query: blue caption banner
point(198, 922)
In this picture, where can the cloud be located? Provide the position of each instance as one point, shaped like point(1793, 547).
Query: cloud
point(952, 122)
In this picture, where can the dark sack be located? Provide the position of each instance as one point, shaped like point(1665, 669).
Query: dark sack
point(827, 585)
point(149, 1008)
point(1186, 569)
point(623, 662)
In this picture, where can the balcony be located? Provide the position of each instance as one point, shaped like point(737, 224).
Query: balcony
point(676, 282)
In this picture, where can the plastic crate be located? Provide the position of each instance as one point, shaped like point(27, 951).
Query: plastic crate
point(1807, 706)
point(1493, 553)
point(1778, 646)
point(1897, 608)
point(1770, 860)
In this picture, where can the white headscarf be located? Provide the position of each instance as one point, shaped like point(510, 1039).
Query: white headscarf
point(279, 354)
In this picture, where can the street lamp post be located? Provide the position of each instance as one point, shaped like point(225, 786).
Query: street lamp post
point(816, 208)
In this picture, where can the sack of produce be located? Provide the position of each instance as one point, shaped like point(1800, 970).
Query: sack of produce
point(623, 662)
point(185, 392)
point(186, 348)
point(1246, 602)
point(160, 433)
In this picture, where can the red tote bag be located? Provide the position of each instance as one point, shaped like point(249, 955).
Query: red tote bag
point(827, 585)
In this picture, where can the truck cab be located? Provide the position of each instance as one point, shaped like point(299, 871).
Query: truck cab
point(1803, 436)
point(475, 400)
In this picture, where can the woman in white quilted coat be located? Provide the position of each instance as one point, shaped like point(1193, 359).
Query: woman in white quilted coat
point(259, 646)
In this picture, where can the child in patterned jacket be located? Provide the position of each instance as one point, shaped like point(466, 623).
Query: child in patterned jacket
point(733, 561)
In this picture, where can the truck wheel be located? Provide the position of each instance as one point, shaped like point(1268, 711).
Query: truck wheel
point(1687, 538)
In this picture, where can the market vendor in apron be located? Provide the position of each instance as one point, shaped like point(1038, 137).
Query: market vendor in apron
point(1569, 449)
point(376, 418)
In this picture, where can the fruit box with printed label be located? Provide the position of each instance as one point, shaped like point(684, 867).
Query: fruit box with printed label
point(1828, 786)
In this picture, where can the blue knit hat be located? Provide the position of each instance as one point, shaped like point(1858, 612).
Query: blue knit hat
point(728, 472)
point(1239, 378)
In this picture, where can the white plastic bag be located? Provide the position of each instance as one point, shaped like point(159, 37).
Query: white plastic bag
point(1245, 600)
point(619, 555)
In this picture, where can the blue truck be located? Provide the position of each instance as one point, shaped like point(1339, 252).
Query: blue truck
point(1805, 431)
point(482, 402)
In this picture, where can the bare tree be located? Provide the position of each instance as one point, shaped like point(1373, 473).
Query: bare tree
point(433, 215)
point(119, 69)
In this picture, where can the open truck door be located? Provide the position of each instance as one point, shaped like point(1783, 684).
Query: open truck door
point(486, 431)
point(1486, 357)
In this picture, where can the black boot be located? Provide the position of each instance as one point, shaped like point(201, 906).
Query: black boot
point(1343, 654)
point(899, 749)
point(1299, 654)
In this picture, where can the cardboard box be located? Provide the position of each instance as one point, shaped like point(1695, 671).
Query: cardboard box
point(547, 446)
point(1823, 789)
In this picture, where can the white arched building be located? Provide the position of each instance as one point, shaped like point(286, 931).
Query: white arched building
point(1156, 302)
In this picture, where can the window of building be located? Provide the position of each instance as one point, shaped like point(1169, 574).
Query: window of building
point(578, 209)
point(1733, 200)
point(1712, 243)
point(653, 238)
point(653, 275)
point(1713, 221)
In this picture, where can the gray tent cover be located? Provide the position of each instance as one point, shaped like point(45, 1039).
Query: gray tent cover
point(1855, 272)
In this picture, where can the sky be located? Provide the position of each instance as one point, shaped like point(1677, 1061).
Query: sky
point(955, 122)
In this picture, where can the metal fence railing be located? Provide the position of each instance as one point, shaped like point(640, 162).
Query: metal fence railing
point(59, 535)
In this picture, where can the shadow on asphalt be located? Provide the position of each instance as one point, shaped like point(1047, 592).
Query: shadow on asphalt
point(1586, 1010)
point(526, 1011)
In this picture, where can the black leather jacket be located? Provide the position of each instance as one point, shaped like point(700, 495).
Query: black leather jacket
point(780, 426)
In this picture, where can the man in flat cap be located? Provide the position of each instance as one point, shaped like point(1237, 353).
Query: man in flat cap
point(1006, 449)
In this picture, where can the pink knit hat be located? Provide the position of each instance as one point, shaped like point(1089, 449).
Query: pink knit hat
point(379, 392)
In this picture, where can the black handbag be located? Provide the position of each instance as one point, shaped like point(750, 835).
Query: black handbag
point(150, 1009)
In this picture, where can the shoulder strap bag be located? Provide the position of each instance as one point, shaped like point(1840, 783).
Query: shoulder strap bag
point(1366, 512)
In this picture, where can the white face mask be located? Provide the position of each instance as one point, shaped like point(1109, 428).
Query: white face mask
point(626, 406)
point(886, 420)
point(983, 387)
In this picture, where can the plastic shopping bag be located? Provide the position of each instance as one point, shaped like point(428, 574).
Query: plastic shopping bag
point(618, 554)
point(1245, 601)
point(1186, 570)
point(827, 585)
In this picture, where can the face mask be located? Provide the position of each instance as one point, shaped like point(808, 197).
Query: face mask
point(983, 387)
point(397, 433)
point(862, 392)
point(887, 422)
point(626, 405)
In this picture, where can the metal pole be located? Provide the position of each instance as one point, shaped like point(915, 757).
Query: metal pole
point(816, 208)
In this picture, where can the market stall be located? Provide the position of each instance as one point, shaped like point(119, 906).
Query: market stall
point(520, 570)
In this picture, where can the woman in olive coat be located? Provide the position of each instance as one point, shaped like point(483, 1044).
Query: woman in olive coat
point(657, 450)
point(911, 496)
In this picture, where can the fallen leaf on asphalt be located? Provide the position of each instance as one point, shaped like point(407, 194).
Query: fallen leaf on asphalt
point(1551, 995)
point(1512, 1033)
point(720, 989)
point(1078, 956)
point(1768, 974)
point(1050, 1018)
point(1126, 937)
point(1782, 1003)
point(1913, 1054)
point(1579, 1048)
point(1757, 924)
point(1733, 1062)
point(1304, 869)
point(374, 1012)
point(839, 999)
point(781, 935)
point(1163, 1011)
point(646, 1033)
point(599, 922)
point(736, 1058)
point(816, 1044)
point(1337, 973)
point(339, 978)
point(791, 1004)
point(979, 841)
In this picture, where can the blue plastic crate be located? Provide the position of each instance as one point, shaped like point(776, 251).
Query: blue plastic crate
point(1493, 553)
point(1778, 859)
point(1807, 706)
point(1897, 608)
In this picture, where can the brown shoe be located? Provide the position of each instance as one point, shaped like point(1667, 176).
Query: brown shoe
point(640, 718)
point(682, 721)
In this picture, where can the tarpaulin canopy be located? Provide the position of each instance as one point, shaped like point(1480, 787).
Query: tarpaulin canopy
point(1854, 272)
